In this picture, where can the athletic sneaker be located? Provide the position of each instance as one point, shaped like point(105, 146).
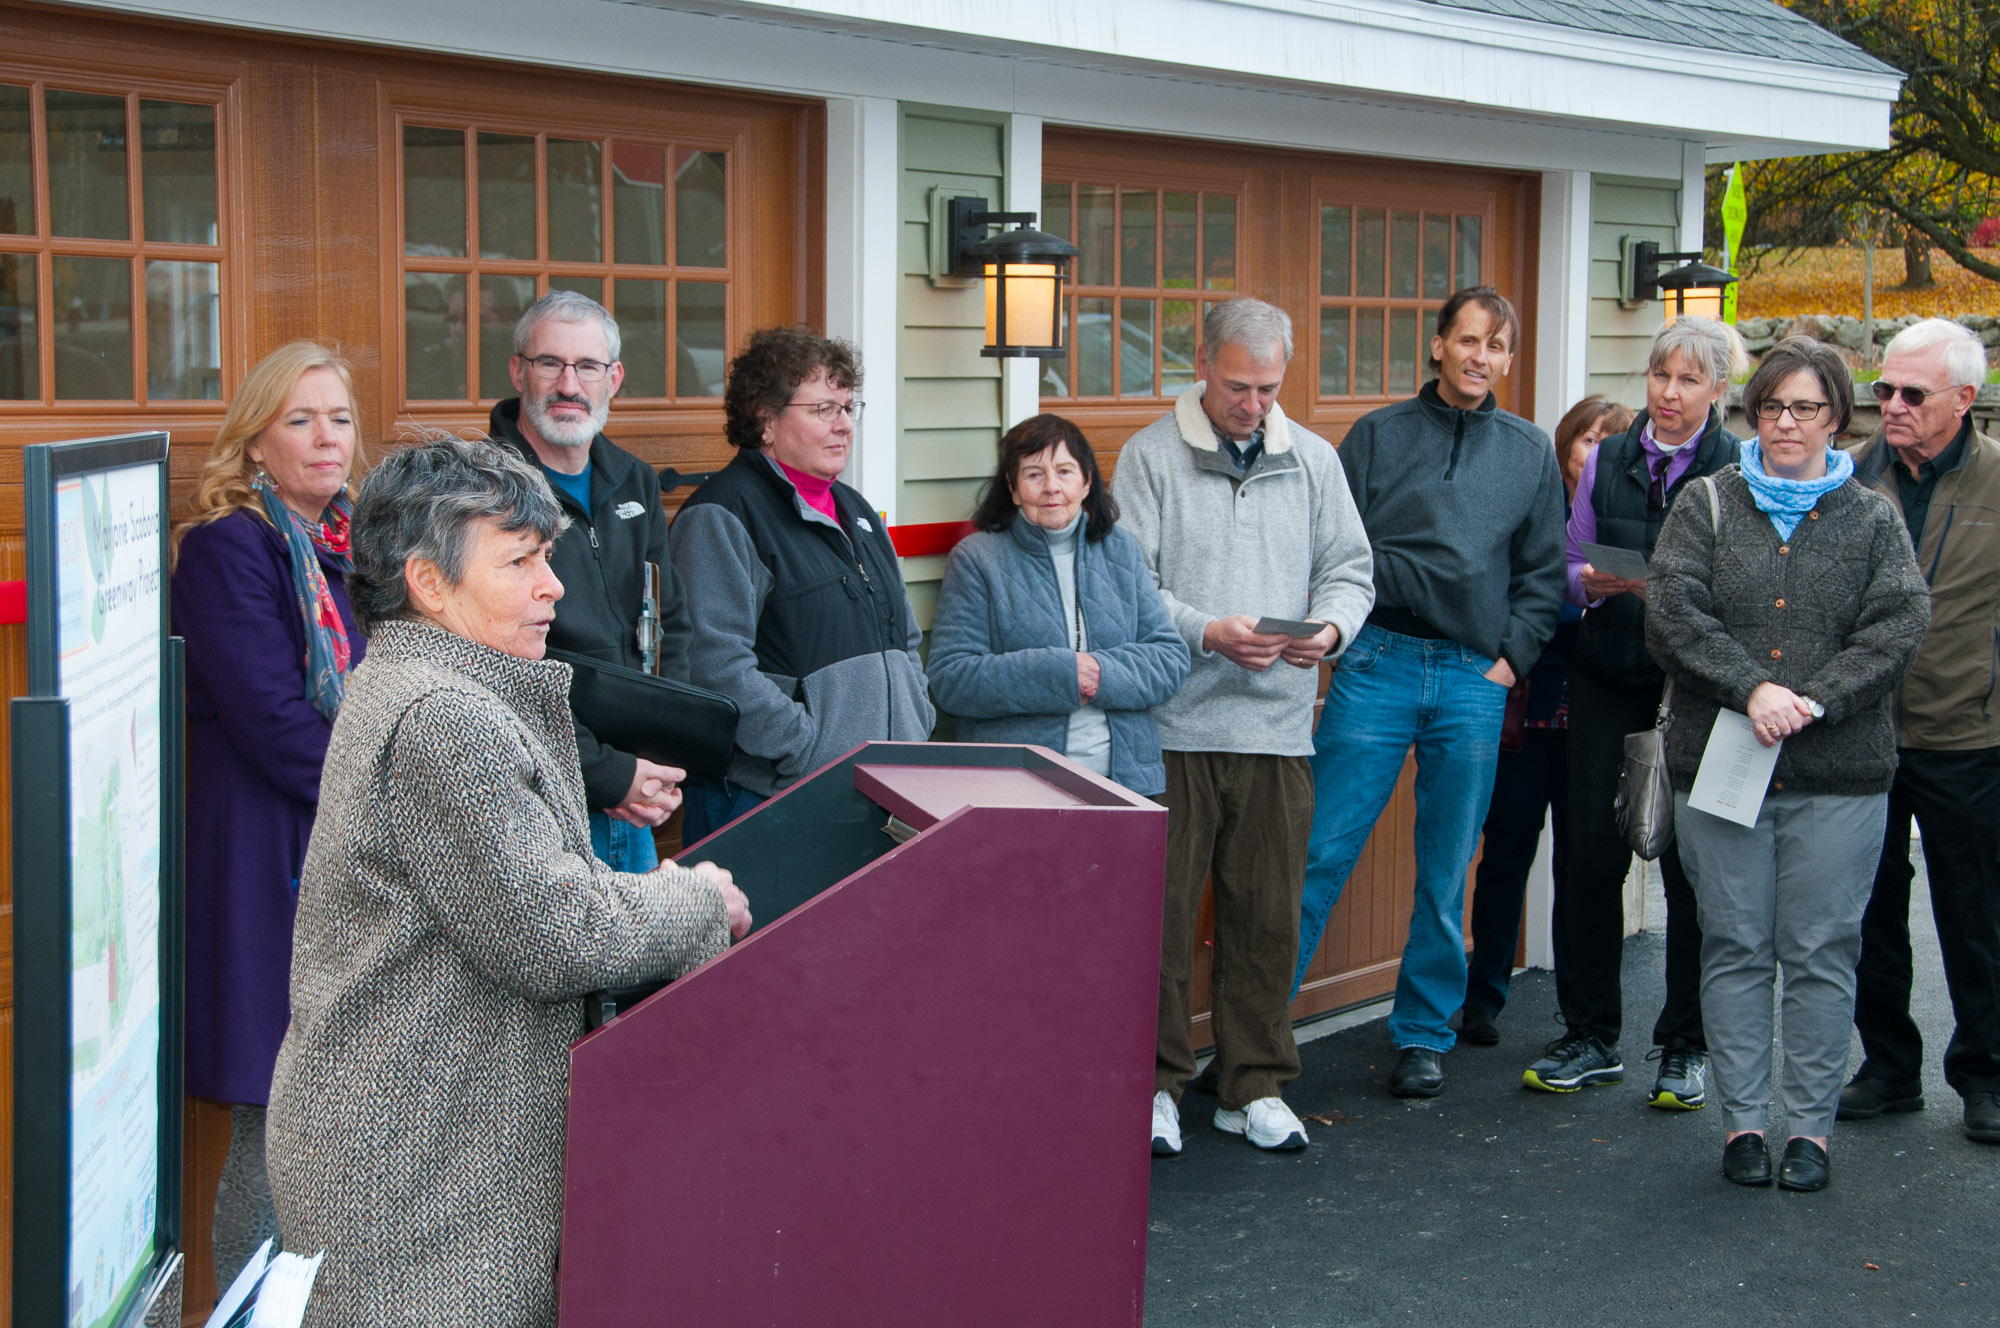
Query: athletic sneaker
point(1166, 1126)
point(1575, 1061)
point(1682, 1084)
point(1267, 1123)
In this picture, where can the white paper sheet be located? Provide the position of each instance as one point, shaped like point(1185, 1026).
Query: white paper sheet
point(245, 1283)
point(1735, 771)
point(281, 1303)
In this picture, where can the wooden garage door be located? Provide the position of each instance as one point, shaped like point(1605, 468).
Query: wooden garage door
point(1360, 252)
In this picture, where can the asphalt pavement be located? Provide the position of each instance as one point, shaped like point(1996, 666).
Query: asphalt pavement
point(1493, 1206)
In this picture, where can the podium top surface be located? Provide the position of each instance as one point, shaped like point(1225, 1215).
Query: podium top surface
point(923, 795)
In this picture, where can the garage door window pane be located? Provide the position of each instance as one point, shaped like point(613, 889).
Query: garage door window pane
point(506, 196)
point(1368, 352)
point(1218, 242)
point(701, 210)
point(183, 331)
point(1094, 342)
point(1371, 243)
point(93, 331)
point(576, 200)
point(1183, 242)
point(1333, 352)
point(1403, 257)
point(1137, 238)
point(433, 192)
point(1403, 351)
point(88, 193)
point(1135, 350)
point(1096, 237)
point(639, 193)
point(641, 310)
point(1177, 345)
point(1468, 253)
point(17, 181)
point(502, 301)
point(1437, 257)
point(1336, 257)
point(20, 349)
point(701, 341)
point(434, 335)
point(177, 171)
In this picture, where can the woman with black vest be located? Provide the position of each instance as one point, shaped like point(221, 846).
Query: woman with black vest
point(1624, 495)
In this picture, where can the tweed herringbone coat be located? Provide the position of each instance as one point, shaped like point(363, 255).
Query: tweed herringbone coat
point(450, 920)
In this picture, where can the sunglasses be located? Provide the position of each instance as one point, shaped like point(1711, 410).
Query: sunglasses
point(1913, 397)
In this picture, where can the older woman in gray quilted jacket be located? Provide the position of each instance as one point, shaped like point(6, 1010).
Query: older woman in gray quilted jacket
point(452, 917)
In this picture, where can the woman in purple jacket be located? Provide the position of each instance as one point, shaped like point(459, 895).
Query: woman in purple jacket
point(260, 594)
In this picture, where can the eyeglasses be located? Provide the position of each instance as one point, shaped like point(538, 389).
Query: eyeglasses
point(1913, 397)
point(825, 411)
point(1801, 410)
point(550, 367)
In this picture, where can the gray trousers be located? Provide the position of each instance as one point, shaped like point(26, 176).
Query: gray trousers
point(1786, 893)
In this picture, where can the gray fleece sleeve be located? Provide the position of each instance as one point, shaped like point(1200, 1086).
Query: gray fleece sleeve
point(1137, 489)
point(1343, 566)
point(1538, 575)
point(726, 583)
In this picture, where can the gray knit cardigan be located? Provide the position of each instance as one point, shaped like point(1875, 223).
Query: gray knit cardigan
point(450, 920)
point(1835, 613)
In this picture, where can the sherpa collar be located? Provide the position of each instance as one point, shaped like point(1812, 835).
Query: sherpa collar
point(1199, 433)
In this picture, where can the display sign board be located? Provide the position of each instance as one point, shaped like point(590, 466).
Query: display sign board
point(97, 849)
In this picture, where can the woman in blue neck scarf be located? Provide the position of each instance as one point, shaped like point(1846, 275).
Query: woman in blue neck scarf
point(1789, 594)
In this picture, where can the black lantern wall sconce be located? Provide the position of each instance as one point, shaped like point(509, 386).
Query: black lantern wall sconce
point(1692, 288)
point(1023, 269)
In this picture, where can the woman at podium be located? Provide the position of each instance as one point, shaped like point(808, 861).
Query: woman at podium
point(260, 596)
point(453, 916)
point(1049, 629)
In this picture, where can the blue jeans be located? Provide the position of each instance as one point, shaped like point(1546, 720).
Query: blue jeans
point(708, 804)
point(622, 846)
point(1390, 692)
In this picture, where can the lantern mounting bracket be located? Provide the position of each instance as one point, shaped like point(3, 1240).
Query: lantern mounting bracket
point(1640, 277)
point(967, 220)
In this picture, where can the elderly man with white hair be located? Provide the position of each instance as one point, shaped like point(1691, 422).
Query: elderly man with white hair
point(1944, 475)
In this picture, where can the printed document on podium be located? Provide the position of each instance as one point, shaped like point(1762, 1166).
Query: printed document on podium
point(1735, 771)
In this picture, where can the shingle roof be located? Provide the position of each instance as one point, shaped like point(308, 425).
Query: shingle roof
point(1743, 27)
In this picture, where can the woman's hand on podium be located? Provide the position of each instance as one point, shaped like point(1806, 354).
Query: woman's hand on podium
point(732, 899)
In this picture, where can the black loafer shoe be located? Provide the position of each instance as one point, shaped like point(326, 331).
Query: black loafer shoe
point(1865, 1099)
point(1805, 1167)
point(1982, 1117)
point(1418, 1073)
point(1476, 1025)
point(1746, 1160)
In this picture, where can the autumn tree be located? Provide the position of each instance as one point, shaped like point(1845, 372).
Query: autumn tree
point(1940, 175)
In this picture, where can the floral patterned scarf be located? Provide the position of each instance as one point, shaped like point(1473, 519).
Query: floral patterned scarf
point(328, 656)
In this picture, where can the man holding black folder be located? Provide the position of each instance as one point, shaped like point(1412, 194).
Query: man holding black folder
point(566, 369)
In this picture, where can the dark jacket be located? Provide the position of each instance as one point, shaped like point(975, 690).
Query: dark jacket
point(1834, 612)
point(1464, 511)
point(255, 747)
point(598, 560)
point(804, 624)
point(1950, 699)
point(1002, 657)
point(1611, 643)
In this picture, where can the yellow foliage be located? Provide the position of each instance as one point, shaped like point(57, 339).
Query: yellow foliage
point(1828, 281)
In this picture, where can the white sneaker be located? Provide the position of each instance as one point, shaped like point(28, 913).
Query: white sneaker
point(1166, 1126)
point(1267, 1123)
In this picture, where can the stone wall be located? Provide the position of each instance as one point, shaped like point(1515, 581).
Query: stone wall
point(1850, 334)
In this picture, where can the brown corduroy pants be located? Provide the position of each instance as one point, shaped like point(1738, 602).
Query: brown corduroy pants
point(1242, 820)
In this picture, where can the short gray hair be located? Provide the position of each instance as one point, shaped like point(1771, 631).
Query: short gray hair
point(1714, 348)
point(421, 501)
point(1964, 352)
point(1249, 323)
point(565, 306)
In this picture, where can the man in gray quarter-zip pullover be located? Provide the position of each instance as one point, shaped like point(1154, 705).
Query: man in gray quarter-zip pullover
point(1241, 515)
point(1463, 503)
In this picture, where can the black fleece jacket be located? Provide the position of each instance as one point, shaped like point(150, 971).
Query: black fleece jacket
point(598, 560)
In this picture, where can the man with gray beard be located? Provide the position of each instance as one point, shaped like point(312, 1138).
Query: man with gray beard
point(566, 369)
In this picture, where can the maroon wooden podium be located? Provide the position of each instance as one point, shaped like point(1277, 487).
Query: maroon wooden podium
point(918, 1092)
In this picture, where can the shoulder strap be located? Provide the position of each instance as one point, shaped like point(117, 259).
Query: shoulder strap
point(1714, 507)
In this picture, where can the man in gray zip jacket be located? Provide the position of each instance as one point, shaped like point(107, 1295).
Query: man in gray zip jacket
point(1464, 508)
point(1241, 515)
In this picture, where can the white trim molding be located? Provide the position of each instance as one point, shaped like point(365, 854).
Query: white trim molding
point(1021, 379)
point(863, 155)
point(1563, 296)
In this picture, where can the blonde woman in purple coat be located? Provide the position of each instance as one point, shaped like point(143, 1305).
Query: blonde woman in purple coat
point(259, 592)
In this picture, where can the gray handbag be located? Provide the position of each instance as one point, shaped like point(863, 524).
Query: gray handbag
point(1644, 804)
point(1643, 807)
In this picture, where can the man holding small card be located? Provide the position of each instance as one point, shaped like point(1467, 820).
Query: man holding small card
point(1463, 503)
point(1784, 604)
point(1246, 523)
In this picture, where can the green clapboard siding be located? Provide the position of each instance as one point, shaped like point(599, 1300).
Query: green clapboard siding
point(1615, 359)
point(948, 399)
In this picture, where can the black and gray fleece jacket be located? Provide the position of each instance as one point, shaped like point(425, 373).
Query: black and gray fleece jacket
point(804, 624)
point(1464, 510)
